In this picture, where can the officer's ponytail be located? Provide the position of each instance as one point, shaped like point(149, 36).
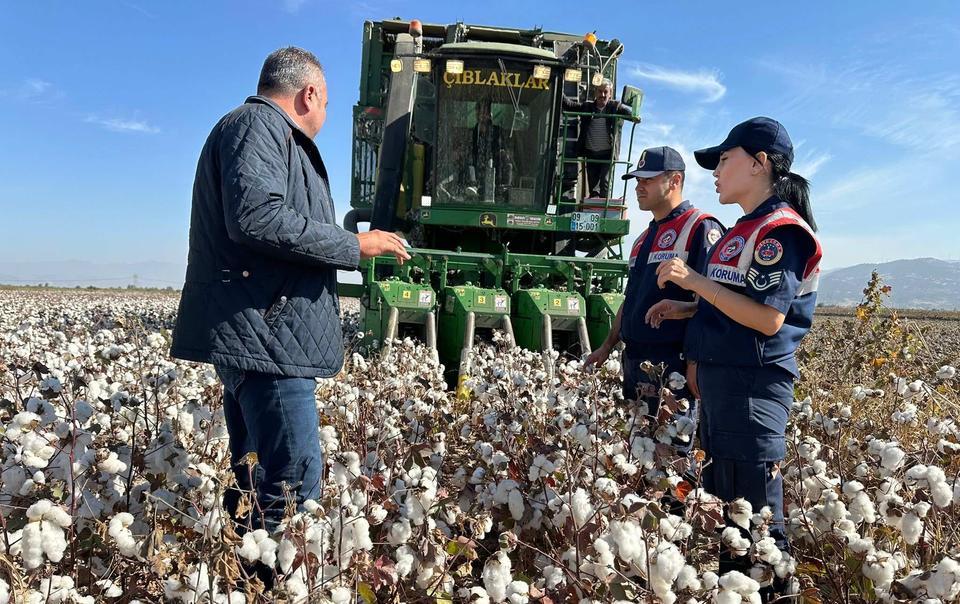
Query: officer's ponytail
point(792, 188)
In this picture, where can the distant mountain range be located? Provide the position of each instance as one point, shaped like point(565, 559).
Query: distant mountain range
point(925, 283)
point(71, 273)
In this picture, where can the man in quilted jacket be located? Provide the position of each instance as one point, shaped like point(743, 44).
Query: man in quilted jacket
point(260, 300)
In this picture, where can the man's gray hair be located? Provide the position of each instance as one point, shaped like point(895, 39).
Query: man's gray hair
point(288, 70)
point(606, 83)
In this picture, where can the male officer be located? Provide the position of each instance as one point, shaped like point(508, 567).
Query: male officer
point(678, 230)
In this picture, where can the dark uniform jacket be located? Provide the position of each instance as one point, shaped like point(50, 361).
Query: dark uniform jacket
point(612, 107)
point(260, 291)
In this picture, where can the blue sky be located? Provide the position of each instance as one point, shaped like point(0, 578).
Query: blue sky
point(106, 106)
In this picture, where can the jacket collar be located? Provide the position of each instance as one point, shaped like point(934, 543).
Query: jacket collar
point(772, 203)
point(680, 209)
point(265, 101)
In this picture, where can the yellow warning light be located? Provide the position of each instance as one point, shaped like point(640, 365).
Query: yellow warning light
point(572, 75)
point(396, 65)
point(421, 65)
point(454, 66)
point(541, 72)
point(590, 39)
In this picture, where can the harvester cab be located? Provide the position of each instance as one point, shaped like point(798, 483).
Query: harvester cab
point(461, 143)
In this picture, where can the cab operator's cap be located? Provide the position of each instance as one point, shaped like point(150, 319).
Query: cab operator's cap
point(656, 161)
point(755, 135)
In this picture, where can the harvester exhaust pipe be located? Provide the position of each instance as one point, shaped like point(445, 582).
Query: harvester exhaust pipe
point(546, 343)
point(508, 330)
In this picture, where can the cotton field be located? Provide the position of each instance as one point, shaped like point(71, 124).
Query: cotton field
point(518, 488)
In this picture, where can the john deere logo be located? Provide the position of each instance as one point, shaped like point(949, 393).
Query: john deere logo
point(488, 220)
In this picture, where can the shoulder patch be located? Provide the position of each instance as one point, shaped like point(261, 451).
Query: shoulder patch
point(768, 252)
point(713, 236)
point(763, 281)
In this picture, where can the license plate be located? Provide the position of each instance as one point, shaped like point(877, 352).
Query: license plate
point(588, 222)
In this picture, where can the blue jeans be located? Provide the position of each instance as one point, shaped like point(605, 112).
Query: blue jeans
point(276, 418)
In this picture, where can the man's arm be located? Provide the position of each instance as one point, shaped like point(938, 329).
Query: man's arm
point(600, 355)
point(254, 187)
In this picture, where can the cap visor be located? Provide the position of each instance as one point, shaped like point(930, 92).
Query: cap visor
point(641, 174)
point(709, 158)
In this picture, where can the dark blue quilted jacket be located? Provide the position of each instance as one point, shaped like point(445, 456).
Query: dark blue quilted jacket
point(261, 285)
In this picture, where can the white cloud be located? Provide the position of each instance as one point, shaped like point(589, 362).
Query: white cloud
point(115, 124)
point(32, 89)
point(884, 101)
point(808, 165)
point(705, 82)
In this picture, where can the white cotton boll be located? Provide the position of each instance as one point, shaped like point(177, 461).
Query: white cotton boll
point(553, 577)
point(740, 512)
point(880, 567)
point(892, 457)
point(945, 581)
point(809, 448)
point(673, 528)
point(400, 532)
point(540, 468)
point(341, 595)
point(496, 576)
point(112, 464)
point(108, 589)
point(710, 580)
point(607, 487)
point(912, 528)
point(666, 562)
point(119, 530)
point(786, 567)
point(210, 524)
point(377, 514)
point(946, 372)
point(676, 381)
point(405, 560)
point(518, 592)
point(687, 579)
point(766, 549)
point(515, 504)
point(329, 441)
point(4, 592)
point(737, 543)
point(601, 564)
point(631, 546)
point(743, 586)
point(286, 554)
point(612, 366)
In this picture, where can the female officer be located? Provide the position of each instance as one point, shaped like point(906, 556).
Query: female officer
point(756, 302)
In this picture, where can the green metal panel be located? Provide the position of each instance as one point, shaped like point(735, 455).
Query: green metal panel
point(530, 306)
point(412, 300)
point(489, 306)
point(503, 218)
point(601, 311)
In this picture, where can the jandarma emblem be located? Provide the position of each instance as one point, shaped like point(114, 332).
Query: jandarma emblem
point(732, 248)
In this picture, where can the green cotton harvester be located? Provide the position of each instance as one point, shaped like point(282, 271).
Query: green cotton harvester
point(462, 145)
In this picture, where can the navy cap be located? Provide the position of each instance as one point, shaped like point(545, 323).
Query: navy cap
point(656, 161)
point(755, 135)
